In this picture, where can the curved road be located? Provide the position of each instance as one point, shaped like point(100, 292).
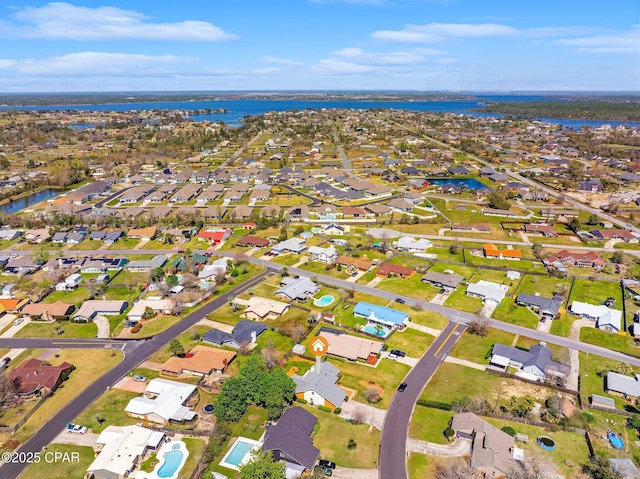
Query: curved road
point(392, 463)
point(143, 350)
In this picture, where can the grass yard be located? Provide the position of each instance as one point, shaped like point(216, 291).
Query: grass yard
point(286, 259)
point(428, 424)
point(125, 243)
point(195, 447)
point(332, 435)
point(595, 292)
point(155, 245)
point(510, 312)
point(616, 342)
point(544, 285)
point(37, 329)
point(477, 349)
point(496, 277)
point(465, 271)
point(411, 341)
point(428, 318)
point(592, 381)
point(90, 365)
point(321, 268)
point(152, 326)
point(76, 297)
point(562, 326)
point(420, 466)
point(110, 407)
point(281, 343)
point(459, 300)
point(189, 339)
point(61, 469)
point(122, 293)
point(359, 376)
point(129, 278)
point(87, 244)
point(411, 287)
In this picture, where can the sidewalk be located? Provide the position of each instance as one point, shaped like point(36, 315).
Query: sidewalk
point(464, 362)
point(425, 329)
point(346, 473)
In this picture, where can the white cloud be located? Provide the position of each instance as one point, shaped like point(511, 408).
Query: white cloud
point(334, 66)
point(94, 64)
point(440, 32)
point(621, 42)
point(60, 20)
point(279, 61)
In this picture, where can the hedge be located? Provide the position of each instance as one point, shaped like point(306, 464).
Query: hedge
point(325, 408)
point(434, 404)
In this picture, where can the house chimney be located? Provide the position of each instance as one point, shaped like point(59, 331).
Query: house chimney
point(253, 336)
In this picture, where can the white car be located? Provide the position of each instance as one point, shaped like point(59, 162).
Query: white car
point(76, 428)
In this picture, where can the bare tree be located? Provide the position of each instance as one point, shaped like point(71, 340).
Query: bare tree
point(479, 325)
point(453, 469)
point(7, 389)
point(270, 356)
point(245, 348)
point(359, 415)
point(189, 280)
point(372, 394)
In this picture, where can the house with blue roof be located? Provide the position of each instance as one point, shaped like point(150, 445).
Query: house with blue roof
point(386, 317)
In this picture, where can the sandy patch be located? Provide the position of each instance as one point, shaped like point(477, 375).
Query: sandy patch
point(128, 384)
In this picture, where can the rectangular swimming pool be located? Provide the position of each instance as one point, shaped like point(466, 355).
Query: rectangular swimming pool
point(239, 453)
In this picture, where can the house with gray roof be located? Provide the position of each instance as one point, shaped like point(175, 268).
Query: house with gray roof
point(147, 265)
point(291, 245)
point(623, 385)
point(487, 291)
point(297, 289)
point(624, 468)
point(537, 363)
point(442, 280)
point(290, 441)
point(318, 386)
point(244, 332)
point(546, 308)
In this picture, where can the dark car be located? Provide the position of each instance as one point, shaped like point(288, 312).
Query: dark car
point(325, 463)
point(402, 387)
point(400, 300)
point(327, 471)
point(398, 353)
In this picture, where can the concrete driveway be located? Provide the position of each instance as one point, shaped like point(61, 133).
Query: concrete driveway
point(346, 473)
point(9, 333)
point(86, 439)
point(104, 330)
point(373, 415)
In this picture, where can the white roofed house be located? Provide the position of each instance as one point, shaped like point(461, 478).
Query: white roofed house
point(607, 319)
point(318, 386)
point(537, 363)
point(92, 308)
point(411, 245)
point(291, 245)
point(163, 402)
point(262, 308)
point(296, 289)
point(323, 255)
point(487, 291)
point(156, 304)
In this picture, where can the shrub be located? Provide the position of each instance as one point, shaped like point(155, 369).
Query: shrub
point(434, 404)
point(337, 410)
point(449, 433)
point(352, 444)
point(325, 408)
point(301, 400)
point(509, 430)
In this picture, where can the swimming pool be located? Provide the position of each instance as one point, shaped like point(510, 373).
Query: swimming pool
point(172, 461)
point(240, 453)
point(371, 329)
point(325, 300)
point(171, 458)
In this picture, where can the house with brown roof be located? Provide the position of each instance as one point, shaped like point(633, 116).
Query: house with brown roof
point(388, 269)
point(200, 361)
point(607, 234)
point(350, 347)
point(142, 233)
point(57, 310)
point(34, 376)
point(359, 264)
point(545, 230)
point(253, 241)
point(259, 308)
point(354, 212)
point(580, 259)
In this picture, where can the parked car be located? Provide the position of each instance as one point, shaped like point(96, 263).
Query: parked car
point(402, 387)
point(327, 471)
point(325, 463)
point(139, 379)
point(397, 353)
point(6, 360)
point(400, 300)
point(18, 321)
point(76, 428)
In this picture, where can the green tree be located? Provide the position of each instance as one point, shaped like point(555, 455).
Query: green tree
point(40, 256)
point(537, 250)
point(617, 257)
point(175, 347)
point(574, 225)
point(157, 274)
point(575, 170)
point(263, 466)
point(593, 220)
point(232, 400)
point(172, 280)
point(498, 200)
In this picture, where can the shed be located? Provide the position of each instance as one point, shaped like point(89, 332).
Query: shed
point(299, 349)
point(602, 401)
point(519, 437)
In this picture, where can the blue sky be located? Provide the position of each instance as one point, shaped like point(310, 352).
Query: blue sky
point(425, 45)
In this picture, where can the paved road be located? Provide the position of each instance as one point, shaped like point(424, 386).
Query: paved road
point(392, 463)
point(143, 350)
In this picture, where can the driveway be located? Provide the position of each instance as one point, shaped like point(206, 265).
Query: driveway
point(104, 330)
point(460, 447)
point(9, 333)
point(374, 416)
point(86, 439)
point(128, 384)
point(346, 473)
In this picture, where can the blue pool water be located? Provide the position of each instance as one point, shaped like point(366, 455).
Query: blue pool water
point(325, 300)
point(172, 461)
point(470, 184)
point(237, 454)
point(615, 440)
point(371, 329)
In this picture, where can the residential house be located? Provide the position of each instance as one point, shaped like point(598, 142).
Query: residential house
point(186, 193)
point(244, 332)
point(492, 251)
point(214, 271)
point(9, 234)
point(57, 310)
point(318, 386)
point(263, 308)
point(296, 289)
point(458, 170)
point(147, 265)
point(388, 318)
point(199, 361)
point(497, 212)
point(623, 385)
point(537, 363)
point(216, 236)
point(289, 440)
point(156, 304)
point(253, 241)
point(354, 212)
point(620, 234)
point(442, 280)
point(323, 255)
point(545, 230)
point(350, 347)
point(335, 229)
point(624, 468)
point(135, 195)
point(607, 319)
point(163, 402)
point(91, 308)
point(493, 451)
point(487, 291)
point(354, 265)
point(33, 377)
point(71, 282)
point(388, 269)
point(21, 265)
point(12, 305)
point(546, 308)
point(377, 209)
point(37, 235)
point(411, 245)
point(102, 265)
point(121, 449)
point(143, 233)
point(291, 245)
point(580, 259)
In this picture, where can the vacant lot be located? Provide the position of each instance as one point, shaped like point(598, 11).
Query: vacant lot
point(428, 424)
point(61, 469)
point(411, 341)
point(478, 349)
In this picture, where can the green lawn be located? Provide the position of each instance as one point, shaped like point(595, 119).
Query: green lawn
point(320, 268)
point(189, 339)
point(125, 243)
point(76, 297)
point(128, 278)
point(195, 447)
point(428, 318)
point(154, 245)
point(428, 424)
point(510, 312)
point(360, 377)
point(79, 459)
point(332, 435)
point(411, 287)
point(110, 407)
point(544, 285)
point(71, 329)
point(459, 300)
point(465, 271)
point(616, 342)
point(595, 292)
point(287, 259)
point(420, 466)
point(592, 382)
point(122, 293)
point(87, 244)
point(280, 342)
point(477, 349)
point(411, 341)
